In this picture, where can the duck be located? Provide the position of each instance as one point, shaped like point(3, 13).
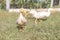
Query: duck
point(40, 14)
point(21, 21)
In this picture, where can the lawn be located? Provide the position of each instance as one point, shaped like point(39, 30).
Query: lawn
point(46, 30)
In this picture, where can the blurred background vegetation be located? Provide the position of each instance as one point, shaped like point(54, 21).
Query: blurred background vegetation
point(27, 4)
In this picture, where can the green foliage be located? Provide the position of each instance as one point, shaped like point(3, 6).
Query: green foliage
point(26, 3)
point(2, 4)
point(31, 3)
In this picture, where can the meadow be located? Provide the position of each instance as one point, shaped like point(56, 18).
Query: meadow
point(45, 30)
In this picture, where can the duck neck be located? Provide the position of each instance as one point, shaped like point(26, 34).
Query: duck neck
point(21, 15)
point(48, 10)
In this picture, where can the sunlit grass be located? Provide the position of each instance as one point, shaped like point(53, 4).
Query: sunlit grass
point(46, 30)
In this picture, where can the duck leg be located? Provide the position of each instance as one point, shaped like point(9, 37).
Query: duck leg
point(41, 20)
point(36, 21)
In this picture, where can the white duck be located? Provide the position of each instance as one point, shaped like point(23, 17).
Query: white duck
point(40, 15)
point(21, 21)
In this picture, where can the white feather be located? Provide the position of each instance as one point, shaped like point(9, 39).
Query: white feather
point(41, 14)
point(21, 19)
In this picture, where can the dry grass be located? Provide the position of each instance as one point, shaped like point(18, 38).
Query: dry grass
point(46, 30)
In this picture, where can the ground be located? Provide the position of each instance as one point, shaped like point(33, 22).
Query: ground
point(46, 30)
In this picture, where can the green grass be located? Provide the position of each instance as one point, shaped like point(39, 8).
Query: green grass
point(46, 30)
